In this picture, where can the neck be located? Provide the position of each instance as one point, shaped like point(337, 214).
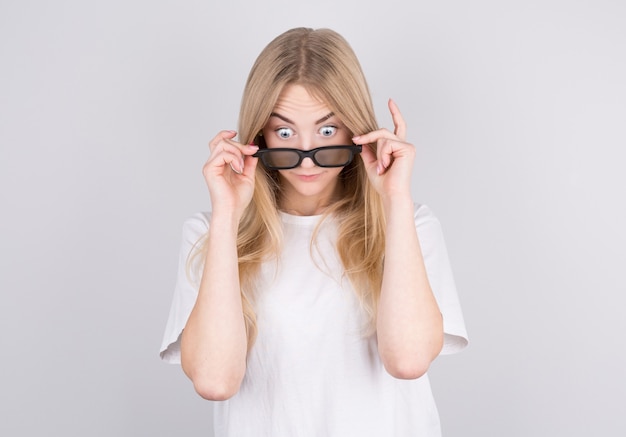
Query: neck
point(305, 206)
point(304, 210)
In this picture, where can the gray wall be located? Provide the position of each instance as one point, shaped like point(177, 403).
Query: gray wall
point(517, 109)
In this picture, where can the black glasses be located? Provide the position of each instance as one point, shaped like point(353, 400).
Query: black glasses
point(329, 156)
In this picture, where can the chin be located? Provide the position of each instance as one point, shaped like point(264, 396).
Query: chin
point(310, 185)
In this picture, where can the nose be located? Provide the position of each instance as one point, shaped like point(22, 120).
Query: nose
point(307, 163)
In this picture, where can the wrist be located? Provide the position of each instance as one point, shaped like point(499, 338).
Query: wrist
point(397, 200)
point(226, 222)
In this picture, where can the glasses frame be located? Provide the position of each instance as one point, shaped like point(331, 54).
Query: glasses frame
point(355, 149)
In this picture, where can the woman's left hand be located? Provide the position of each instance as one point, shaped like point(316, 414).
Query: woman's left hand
point(389, 168)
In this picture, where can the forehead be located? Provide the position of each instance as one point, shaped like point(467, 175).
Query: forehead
point(296, 103)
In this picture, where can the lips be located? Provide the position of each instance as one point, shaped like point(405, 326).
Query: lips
point(308, 177)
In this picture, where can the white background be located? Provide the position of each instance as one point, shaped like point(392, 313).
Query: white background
point(518, 112)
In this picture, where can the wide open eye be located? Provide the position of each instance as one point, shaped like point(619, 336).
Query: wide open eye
point(284, 132)
point(328, 131)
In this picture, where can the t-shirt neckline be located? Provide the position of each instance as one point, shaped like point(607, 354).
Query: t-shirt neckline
point(303, 220)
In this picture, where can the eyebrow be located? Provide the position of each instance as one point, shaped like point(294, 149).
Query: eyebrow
point(286, 120)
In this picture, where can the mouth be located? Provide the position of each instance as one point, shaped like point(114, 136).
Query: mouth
point(307, 177)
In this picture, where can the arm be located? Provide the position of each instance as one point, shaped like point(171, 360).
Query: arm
point(214, 341)
point(409, 324)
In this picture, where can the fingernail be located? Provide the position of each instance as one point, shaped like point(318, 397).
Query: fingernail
point(254, 146)
point(234, 169)
point(241, 165)
point(357, 137)
point(379, 169)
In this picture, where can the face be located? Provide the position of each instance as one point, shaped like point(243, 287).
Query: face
point(301, 121)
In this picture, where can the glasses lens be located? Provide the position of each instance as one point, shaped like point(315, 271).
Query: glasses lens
point(280, 158)
point(331, 157)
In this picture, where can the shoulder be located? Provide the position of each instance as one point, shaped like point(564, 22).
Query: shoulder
point(428, 228)
point(199, 220)
point(196, 225)
point(424, 216)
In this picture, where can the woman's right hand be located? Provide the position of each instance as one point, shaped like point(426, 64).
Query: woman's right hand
point(229, 173)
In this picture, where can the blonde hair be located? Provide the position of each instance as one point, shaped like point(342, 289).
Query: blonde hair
point(324, 63)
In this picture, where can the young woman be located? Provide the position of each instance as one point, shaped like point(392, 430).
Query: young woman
point(314, 296)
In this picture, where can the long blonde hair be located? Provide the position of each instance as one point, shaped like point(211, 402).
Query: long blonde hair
point(324, 63)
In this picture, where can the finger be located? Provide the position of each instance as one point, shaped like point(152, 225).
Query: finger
point(378, 161)
point(219, 162)
point(237, 150)
point(373, 137)
point(245, 167)
point(245, 149)
point(234, 146)
point(233, 157)
point(245, 162)
point(234, 169)
point(250, 166)
point(222, 135)
point(384, 153)
point(368, 155)
point(398, 121)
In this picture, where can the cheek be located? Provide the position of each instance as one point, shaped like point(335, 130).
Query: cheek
point(336, 171)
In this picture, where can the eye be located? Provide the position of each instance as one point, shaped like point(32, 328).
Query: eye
point(328, 131)
point(284, 132)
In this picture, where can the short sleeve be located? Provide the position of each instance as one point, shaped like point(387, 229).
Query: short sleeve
point(186, 290)
point(441, 280)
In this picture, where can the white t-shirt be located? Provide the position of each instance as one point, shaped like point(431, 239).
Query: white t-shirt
point(312, 371)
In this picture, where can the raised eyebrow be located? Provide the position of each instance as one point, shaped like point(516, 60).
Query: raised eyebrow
point(286, 120)
point(324, 118)
point(283, 118)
